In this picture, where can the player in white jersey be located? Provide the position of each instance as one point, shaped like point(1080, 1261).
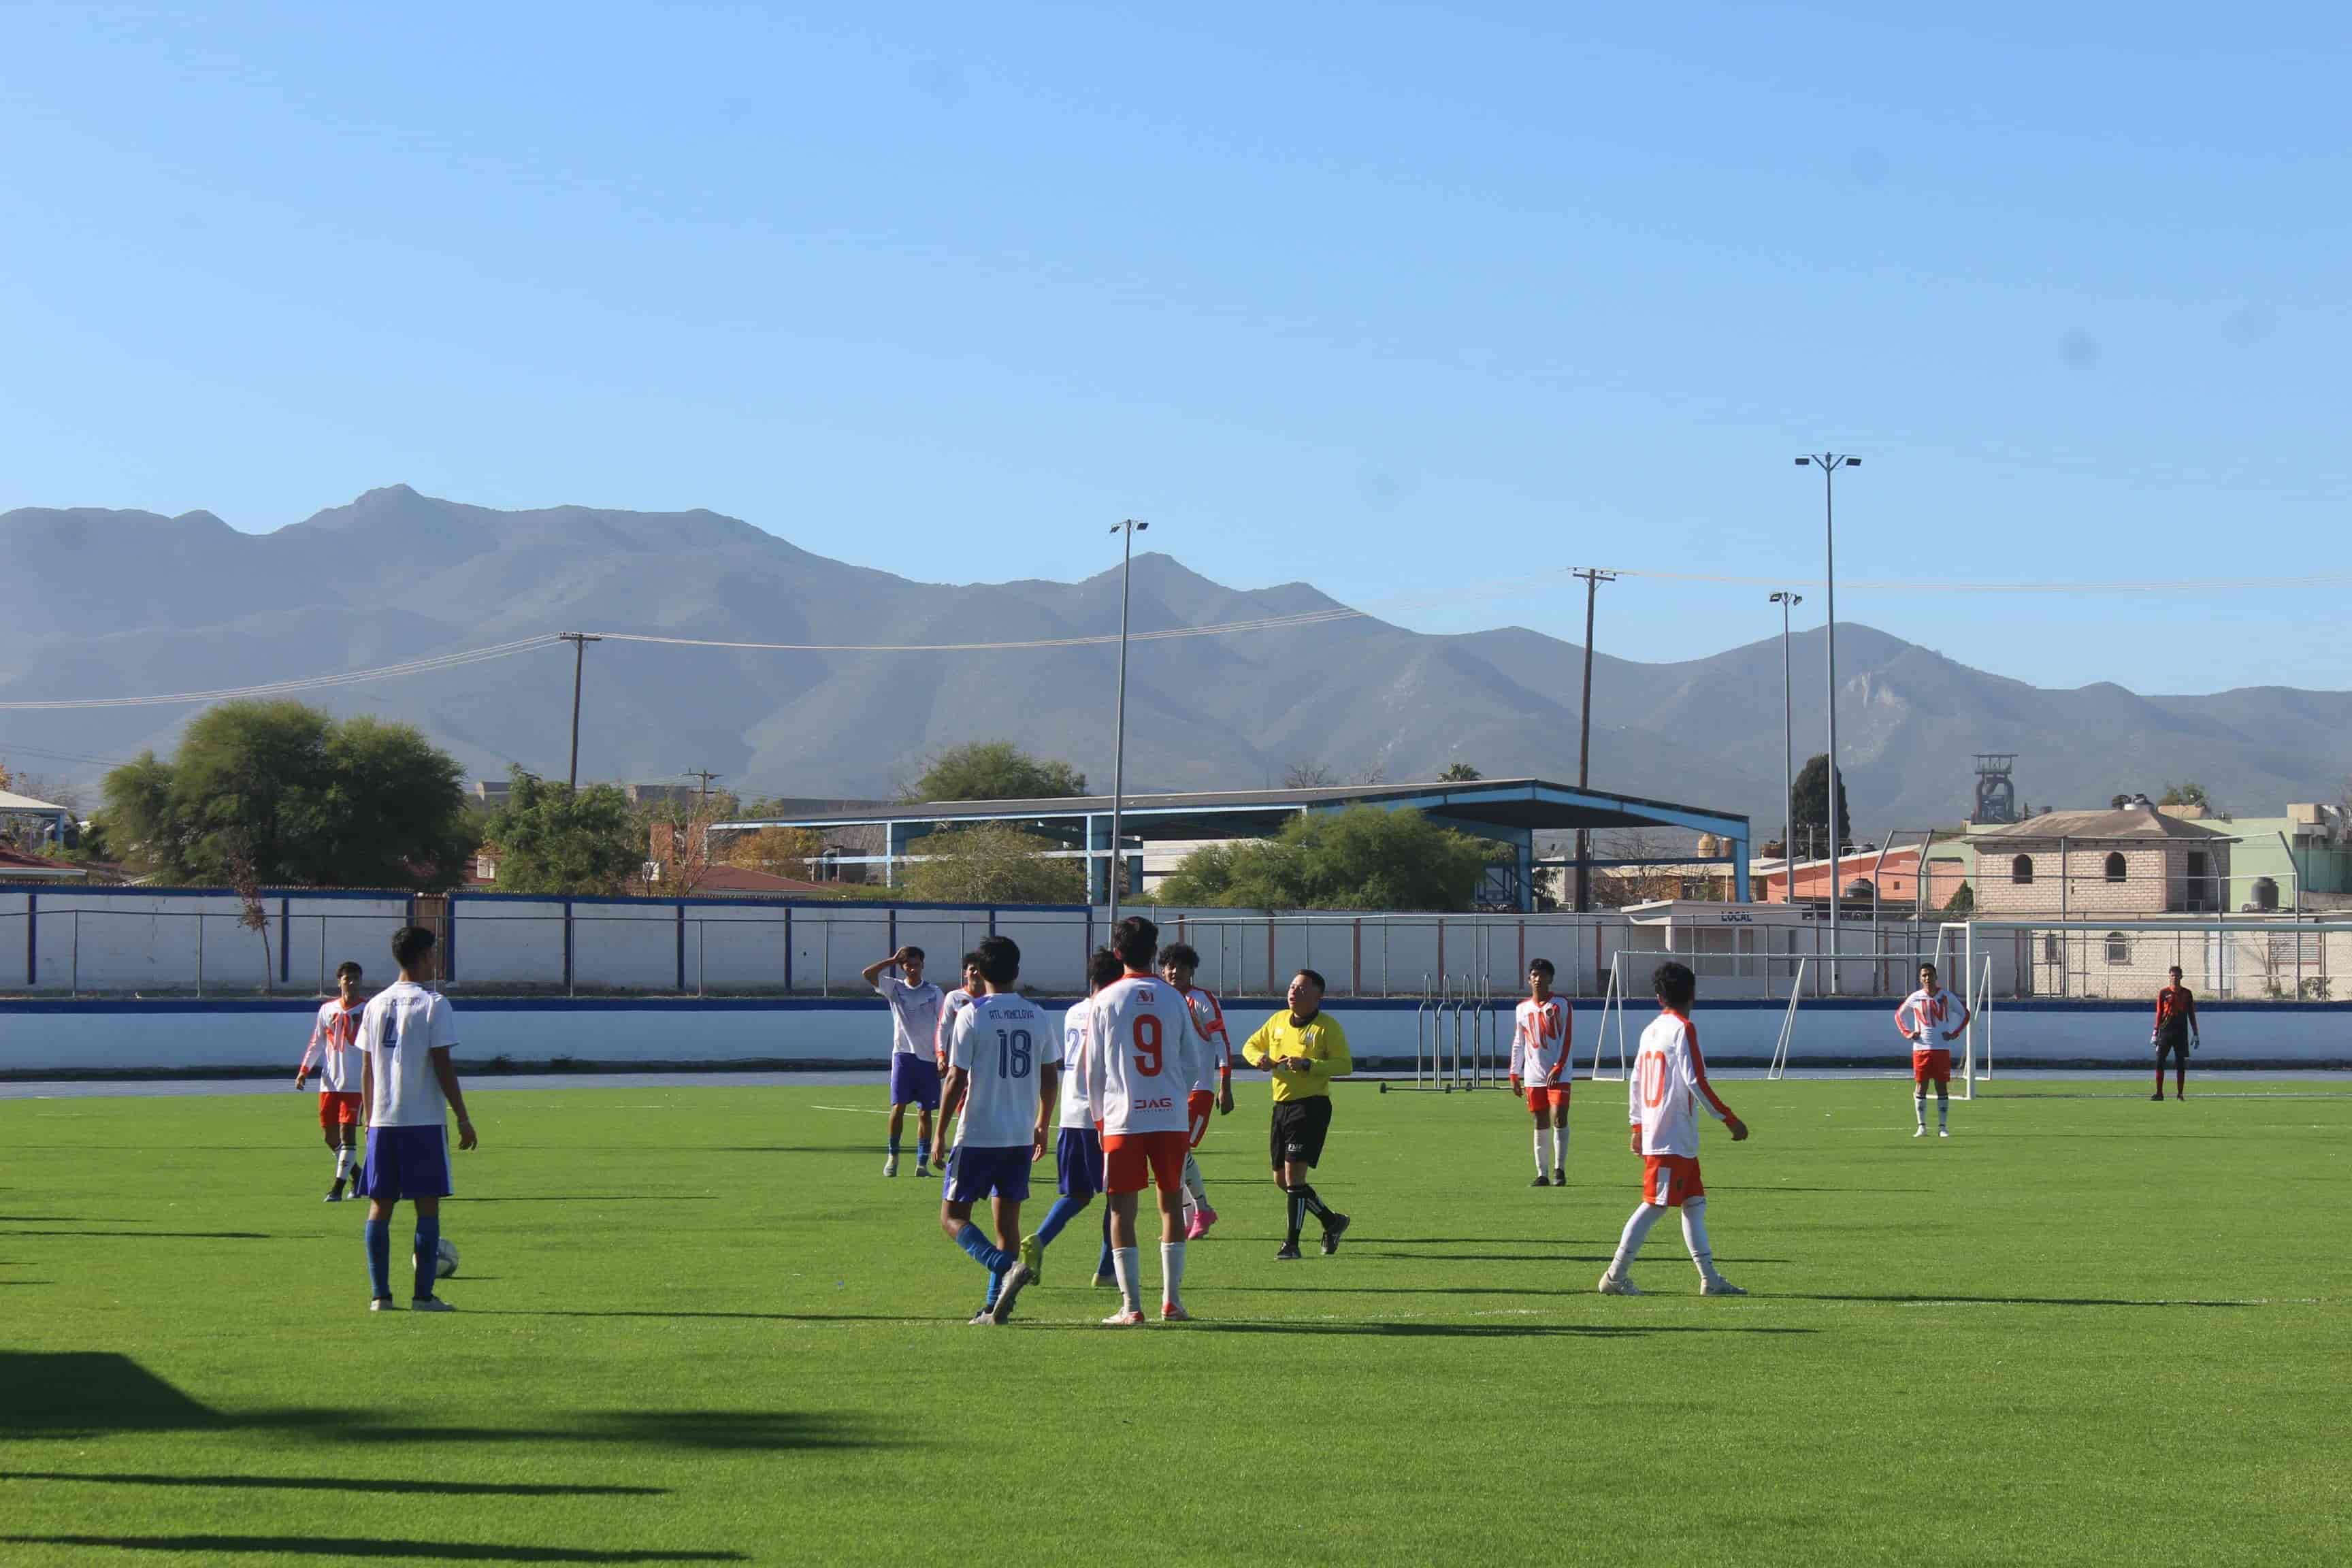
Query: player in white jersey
point(1664, 1092)
point(915, 1011)
point(409, 1086)
point(955, 1002)
point(1143, 1055)
point(1178, 964)
point(1540, 1042)
point(332, 1036)
point(1931, 1018)
point(1078, 1156)
point(1000, 1076)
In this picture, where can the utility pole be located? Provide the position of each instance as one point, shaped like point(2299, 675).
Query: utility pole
point(1829, 463)
point(579, 641)
point(1788, 601)
point(1128, 528)
point(706, 775)
point(1592, 581)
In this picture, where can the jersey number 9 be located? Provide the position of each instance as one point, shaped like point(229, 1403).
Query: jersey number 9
point(1147, 1046)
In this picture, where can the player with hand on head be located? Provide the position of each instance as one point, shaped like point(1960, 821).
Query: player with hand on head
point(1000, 1077)
point(1540, 1042)
point(1144, 1053)
point(2176, 1033)
point(1178, 964)
point(1304, 1050)
point(332, 1037)
point(1077, 1157)
point(408, 1087)
point(915, 1012)
point(1931, 1018)
point(1667, 1083)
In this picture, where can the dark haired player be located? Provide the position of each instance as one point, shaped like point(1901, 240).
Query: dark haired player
point(1304, 1050)
point(1540, 1044)
point(409, 1088)
point(1931, 1018)
point(1000, 1076)
point(1667, 1083)
point(2176, 1033)
point(333, 1036)
point(915, 1011)
point(1077, 1156)
point(1178, 964)
point(955, 1002)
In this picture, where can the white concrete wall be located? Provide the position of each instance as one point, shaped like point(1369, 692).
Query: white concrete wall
point(131, 941)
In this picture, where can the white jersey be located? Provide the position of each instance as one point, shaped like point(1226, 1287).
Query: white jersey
point(914, 1014)
point(1209, 1018)
point(1540, 1044)
point(405, 1023)
point(332, 1039)
point(1926, 1017)
point(1002, 1041)
point(1668, 1085)
point(1077, 1113)
point(1143, 1055)
point(953, 1003)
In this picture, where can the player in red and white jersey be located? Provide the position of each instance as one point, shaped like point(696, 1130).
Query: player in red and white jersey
point(1143, 1055)
point(1664, 1092)
point(1931, 1018)
point(332, 1038)
point(1178, 964)
point(1540, 1042)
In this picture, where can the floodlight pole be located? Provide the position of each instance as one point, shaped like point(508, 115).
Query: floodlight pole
point(1788, 601)
point(1127, 530)
point(1592, 581)
point(1829, 463)
point(579, 641)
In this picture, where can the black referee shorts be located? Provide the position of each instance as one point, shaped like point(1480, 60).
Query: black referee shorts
point(1298, 1131)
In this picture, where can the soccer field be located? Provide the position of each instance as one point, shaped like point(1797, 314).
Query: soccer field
point(696, 1325)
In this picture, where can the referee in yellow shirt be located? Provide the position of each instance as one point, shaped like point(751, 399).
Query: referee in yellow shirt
point(1304, 1049)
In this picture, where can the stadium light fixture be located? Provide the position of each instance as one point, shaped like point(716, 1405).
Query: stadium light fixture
point(1829, 463)
point(1130, 528)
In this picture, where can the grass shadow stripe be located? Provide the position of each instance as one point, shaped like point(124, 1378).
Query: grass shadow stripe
point(362, 1547)
point(392, 1485)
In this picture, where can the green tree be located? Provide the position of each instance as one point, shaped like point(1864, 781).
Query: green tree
point(2189, 794)
point(992, 863)
point(1360, 859)
point(1961, 904)
point(996, 770)
point(1460, 773)
point(1813, 808)
point(276, 792)
point(552, 838)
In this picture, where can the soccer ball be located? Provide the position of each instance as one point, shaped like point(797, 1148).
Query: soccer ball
point(444, 1259)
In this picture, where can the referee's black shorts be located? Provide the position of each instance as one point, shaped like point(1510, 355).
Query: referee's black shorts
point(1300, 1127)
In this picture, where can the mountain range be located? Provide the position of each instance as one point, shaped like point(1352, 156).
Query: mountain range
point(96, 603)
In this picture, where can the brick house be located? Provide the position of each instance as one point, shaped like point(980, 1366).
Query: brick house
point(2135, 862)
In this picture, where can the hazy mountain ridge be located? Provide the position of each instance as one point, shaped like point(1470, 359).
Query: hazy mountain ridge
point(101, 602)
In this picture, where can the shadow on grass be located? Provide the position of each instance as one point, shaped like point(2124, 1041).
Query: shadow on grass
point(598, 1198)
point(341, 1484)
point(1930, 1298)
point(752, 1317)
point(793, 1149)
point(361, 1547)
point(158, 1235)
point(1410, 1330)
point(79, 1393)
point(1516, 1257)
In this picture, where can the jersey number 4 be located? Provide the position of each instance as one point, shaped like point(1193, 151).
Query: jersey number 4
point(1013, 1053)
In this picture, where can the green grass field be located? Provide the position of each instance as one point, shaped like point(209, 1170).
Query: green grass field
point(696, 1325)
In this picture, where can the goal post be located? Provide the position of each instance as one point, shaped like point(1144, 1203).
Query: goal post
point(1612, 1011)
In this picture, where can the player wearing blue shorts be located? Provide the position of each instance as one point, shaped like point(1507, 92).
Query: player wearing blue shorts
point(1078, 1159)
point(406, 1094)
point(1000, 1077)
point(914, 1025)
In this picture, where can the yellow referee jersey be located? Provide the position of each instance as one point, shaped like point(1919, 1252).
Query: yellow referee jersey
point(1320, 1040)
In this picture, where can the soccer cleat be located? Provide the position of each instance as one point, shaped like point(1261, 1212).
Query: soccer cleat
point(1333, 1229)
point(1920, 1130)
point(334, 1193)
point(1125, 1317)
point(890, 1167)
point(1717, 1285)
point(1015, 1278)
point(1615, 1284)
point(924, 1172)
point(1104, 1282)
point(1207, 1217)
point(430, 1304)
point(1289, 1252)
point(982, 1320)
point(358, 1181)
point(1171, 1313)
point(1195, 1226)
point(1033, 1259)
point(1560, 1178)
point(1943, 1133)
point(2157, 1095)
point(382, 1304)
point(1541, 1180)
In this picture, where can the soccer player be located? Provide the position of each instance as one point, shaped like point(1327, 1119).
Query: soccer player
point(1669, 1079)
point(332, 1039)
point(2176, 1033)
point(1927, 1019)
point(1304, 1050)
point(1143, 1055)
point(915, 1013)
point(408, 1088)
point(1003, 1083)
point(1540, 1059)
point(1178, 964)
point(955, 1002)
point(1078, 1157)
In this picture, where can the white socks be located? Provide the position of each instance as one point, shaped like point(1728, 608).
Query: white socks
point(1943, 1113)
point(1171, 1273)
point(1559, 1147)
point(1551, 1148)
point(1695, 1237)
point(1127, 1265)
point(1541, 1168)
point(342, 1164)
point(1919, 1110)
point(1196, 1189)
point(1637, 1231)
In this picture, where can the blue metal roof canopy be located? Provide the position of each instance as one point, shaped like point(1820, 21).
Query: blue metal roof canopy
point(1509, 811)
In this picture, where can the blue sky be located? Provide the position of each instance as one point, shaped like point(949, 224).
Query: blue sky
point(1409, 301)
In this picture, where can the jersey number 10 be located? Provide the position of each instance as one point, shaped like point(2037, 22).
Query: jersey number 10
point(1653, 1068)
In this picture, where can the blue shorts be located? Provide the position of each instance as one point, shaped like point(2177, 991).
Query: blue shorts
point(976, 1173)
point(1079, 1159)
point(914, 1080)
point(407, 1163)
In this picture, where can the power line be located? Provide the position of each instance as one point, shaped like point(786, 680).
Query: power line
point(304, 683)
point(1265, 623)
point(1927, 586)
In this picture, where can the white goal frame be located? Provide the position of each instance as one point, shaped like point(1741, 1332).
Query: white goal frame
point(1612, 1007)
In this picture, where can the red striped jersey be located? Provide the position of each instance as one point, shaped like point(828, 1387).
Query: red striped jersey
point(1668, 1085)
